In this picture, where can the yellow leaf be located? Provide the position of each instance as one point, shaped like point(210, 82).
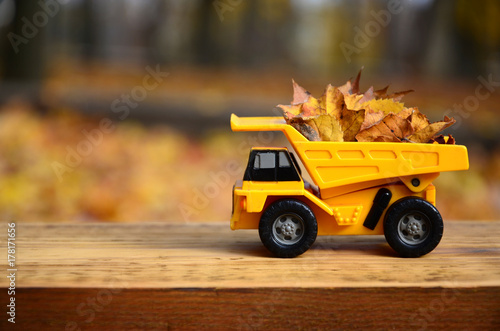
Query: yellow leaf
point(290, 111)
point(332, 101)
point(353, 101)
point(328, 127)
point(385, 105)
point(311, 108)
point(351, 122)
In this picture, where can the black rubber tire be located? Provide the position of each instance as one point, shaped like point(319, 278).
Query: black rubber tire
point(287, 211)
point(413, 227)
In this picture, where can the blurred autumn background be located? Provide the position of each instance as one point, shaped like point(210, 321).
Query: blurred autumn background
point(119, 110)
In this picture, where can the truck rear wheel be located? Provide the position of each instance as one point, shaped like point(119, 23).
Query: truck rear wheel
point(413, 227)
point(288, 228)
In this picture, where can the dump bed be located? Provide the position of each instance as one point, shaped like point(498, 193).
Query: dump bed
point(335, 164)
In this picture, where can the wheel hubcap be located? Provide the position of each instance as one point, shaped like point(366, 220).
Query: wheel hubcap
point(288, 229)
point(414, 228)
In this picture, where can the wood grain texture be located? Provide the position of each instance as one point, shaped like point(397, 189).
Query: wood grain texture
point(192, 276)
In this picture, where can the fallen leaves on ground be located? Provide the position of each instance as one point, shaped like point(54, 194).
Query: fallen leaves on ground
point(344, 114)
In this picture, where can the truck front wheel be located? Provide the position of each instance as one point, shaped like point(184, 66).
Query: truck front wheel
point(413, 227)
point(288, 228)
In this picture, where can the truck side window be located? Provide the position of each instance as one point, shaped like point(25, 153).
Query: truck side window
point(270, 166)
point(284, 161)
point(265, 161)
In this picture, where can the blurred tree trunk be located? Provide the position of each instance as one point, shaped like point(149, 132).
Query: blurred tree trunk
point(205, 41)
point(24, 58)
point(88, 36)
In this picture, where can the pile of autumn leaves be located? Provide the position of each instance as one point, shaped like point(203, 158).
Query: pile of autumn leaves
point(344, 114)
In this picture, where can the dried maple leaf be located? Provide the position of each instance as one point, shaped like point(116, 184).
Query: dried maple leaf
point(328, 127)
point(367, 96)
point(332, 101)
point(350, 123)
point(391, 128)
point(441, 139)
point(427, 133)
point(385, 105)
point(353, 101)
point(406, 113)
point(372, 117)
point(311, 108)
point(355, 84)
point(300, 94)
point(380, 94)
point(418, 120)
point(346, 89)
point(290, 111)
point(308, 130)
point(397, 96)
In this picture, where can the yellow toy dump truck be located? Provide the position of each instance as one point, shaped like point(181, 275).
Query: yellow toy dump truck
point(357, 184)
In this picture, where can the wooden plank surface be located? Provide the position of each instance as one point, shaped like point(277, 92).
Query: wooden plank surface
point(191, 276)
point(211, 255)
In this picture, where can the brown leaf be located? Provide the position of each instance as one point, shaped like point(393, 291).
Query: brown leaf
point(391, 128)
point(418, 120)
point(406, 113)
point(371, 118)
point(350, 123)
point(397, 96)
point(367, 96)
point(308, 130)
point(425, 134)
point(300, 94)
point(355, 84)
point(346, 89)
point(381, 94)
point(441, 139)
